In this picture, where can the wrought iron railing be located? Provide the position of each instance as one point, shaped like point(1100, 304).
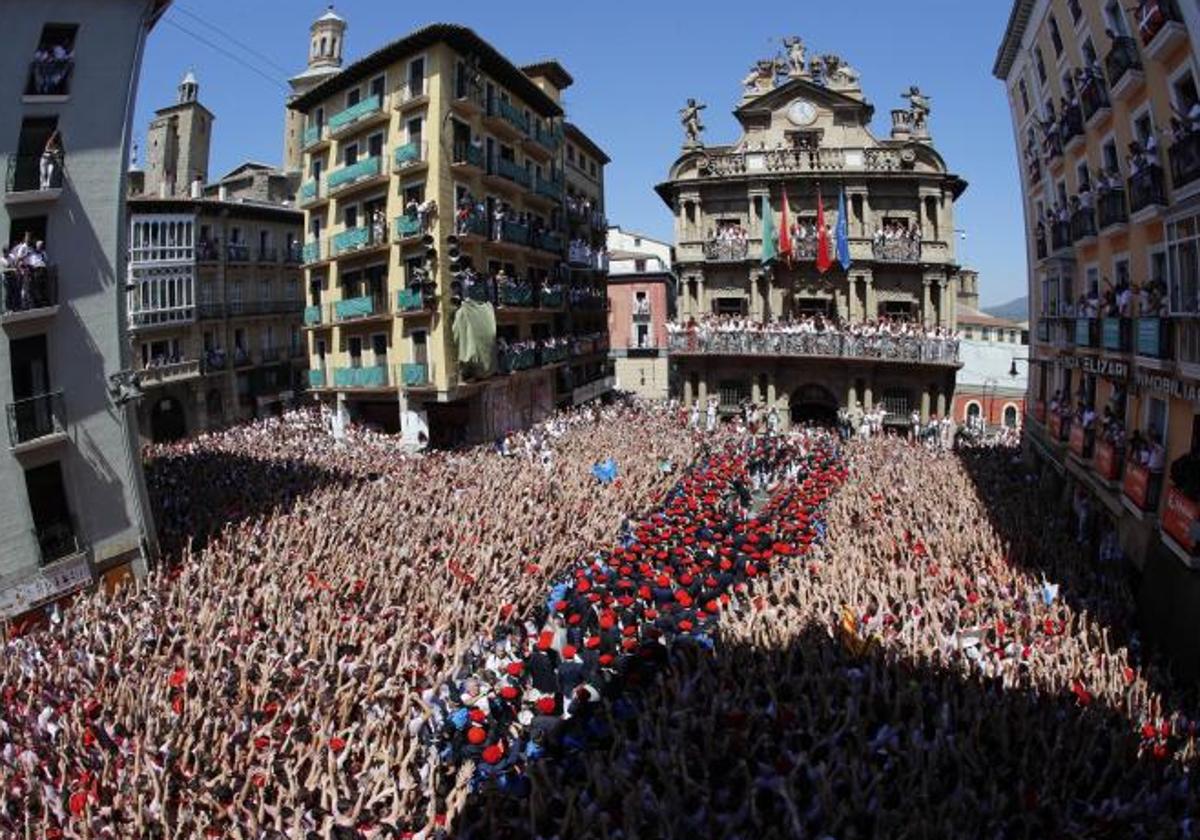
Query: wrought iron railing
point(1113, 208)
point(726, 250)
point(36, 417)
point(1146, 189)
point(35, 288)
point(1184, 158)
point(1083, 223)
point(828, 345)
point(1121, 59)
point(366, 168)
point(351, 115)
point(27, 174)
point(375, 376)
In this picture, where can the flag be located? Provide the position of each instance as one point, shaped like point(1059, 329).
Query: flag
point(843, 232)
point(823, 258)
point(785, 235)
point(770, 248)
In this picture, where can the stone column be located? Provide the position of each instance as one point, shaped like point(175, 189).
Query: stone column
point(771, 396)
point(688, 396)
point(926, 302)
point(868, 399)
point(941, 402)
point(872, 305)
point(924, 405)
point(703, 387)
point(851, 395)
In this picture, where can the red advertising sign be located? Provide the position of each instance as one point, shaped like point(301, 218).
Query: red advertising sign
point(1179, 517)
point(1056, 426)
point(1136, 484)
point(1077, 439)
point(1106, 461)
point(1039, 411)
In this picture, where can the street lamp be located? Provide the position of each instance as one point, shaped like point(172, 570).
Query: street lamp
point(1012, 370)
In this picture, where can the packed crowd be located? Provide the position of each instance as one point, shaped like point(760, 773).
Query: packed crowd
point(771, 635)
point(897, 241)
point(25, 271)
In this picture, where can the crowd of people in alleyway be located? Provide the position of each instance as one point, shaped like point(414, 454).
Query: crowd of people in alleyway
point(729, 632)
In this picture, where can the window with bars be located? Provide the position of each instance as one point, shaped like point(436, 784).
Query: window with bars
point(733, 392)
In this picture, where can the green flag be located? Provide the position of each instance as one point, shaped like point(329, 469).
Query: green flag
point(770, 246)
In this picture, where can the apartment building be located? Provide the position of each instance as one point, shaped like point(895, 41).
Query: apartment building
point(434, 186)
point(641, 295)
point(74, 510)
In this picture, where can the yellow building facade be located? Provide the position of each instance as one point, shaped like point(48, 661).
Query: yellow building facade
point(1106, 117)
point(433, 175)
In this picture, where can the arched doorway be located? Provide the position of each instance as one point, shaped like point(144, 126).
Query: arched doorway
point(167, 422)
point(813, 404)
point(1010, 416)
point(974, 415)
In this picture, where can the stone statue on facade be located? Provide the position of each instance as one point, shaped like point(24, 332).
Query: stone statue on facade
point(837, 71)
point(919, 106)
point(761, 78)
point(692, 127)
point(796, 66)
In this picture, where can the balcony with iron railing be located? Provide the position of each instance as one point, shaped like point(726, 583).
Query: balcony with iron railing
point(1083, 224)
point(237, 252)
point(49, 77)
point(270, 355)
point(407, 227)
point(1147, 190)
point(901, 250)
point(64, 560)
point(267, 255)
point(514, 232)
point(26, 181)
point(314, 251)
point(1070, 125)
point(360, 112)
point(641, 313)
point(413, 302)
point(1060, 236)
point(549, 139)
point(1113, 209)
point(901, 349)
point(362, 238)
point(376, 376)
point(1093, 98)
point(293, 253)
point(551, 298)
point(549, 188)
point(727, 250)
point(505, 114)
point(1123, 66)
point(361, 307)
point(1086, 332)
point(162, 373)
point(208, 250)
point(466, 154)
point(408, 155)
point(415, 374)
point(512, 171)
point(720, 163)
point(313, 315)
point(316, 378)
point(1040, 246)
point(411, 93)
point(313, 135)
point(1116, 334)
point(1153, 338)
point(38, 420)
point(28, 294)
point(347, 176)
point(1034, 167)
point(1160, 27)
point(1184, 158)
point(312, 191)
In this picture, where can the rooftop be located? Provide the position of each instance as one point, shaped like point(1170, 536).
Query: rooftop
point(250, 209)
point(581, 139)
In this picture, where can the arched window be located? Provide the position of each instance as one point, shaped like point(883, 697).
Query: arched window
point(973, 413)
point(1010, 416)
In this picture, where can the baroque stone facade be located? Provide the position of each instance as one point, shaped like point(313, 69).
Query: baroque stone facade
point(806, 133)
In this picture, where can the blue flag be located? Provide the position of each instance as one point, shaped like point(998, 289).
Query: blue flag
point(843, 232)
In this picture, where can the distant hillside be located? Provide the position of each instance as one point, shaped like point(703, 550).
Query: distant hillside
point(1014, 310)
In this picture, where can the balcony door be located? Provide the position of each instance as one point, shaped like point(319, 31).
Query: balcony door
point(35, 131)
point(50, 512)
point(30, 366)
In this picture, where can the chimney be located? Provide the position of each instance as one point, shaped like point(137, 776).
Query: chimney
point(197, 187)
point(901, 124)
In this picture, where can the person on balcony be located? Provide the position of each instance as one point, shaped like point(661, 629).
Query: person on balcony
point(51, 162)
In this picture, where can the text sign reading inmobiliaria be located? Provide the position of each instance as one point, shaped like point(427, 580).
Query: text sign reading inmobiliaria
point(1178, 388)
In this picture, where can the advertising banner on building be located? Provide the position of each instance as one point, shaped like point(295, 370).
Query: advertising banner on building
point(1179, 520)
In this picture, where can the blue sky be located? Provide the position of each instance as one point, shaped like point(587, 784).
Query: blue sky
point(634, 65)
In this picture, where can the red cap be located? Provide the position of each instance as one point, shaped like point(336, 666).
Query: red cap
point(546, 705)
point(568, 651)
point(476, 735)
point(493, 753)
point(545, 640)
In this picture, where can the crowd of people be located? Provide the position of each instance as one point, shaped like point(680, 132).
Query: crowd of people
point(815, 335)
point(24, 268)
point(51, 68)
point(897, 241)
point(731, 634)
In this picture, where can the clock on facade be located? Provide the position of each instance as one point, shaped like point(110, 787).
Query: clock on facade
point(802, 112)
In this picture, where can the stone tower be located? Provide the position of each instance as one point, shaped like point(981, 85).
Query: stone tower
point(177, 143)
point(327, 40)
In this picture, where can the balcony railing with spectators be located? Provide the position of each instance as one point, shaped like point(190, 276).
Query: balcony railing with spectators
point(1116, 334)
point(25, 176)
point(340, 179)
point(1184, 157)
point(515, 359)
point(1154, 338)
point(514, 232)
point(551, 298)
point(1113, 208)
point(1040, 246)
point(407, 227)
point(293, 253)
point(902, 250)
point(410, 90)
point(820, 345)
point(1034, 167)
point(1122, 59)
point(1093, 97)
point(238, 252)
point(513, 294)
point(414, 374)
point(355, 113)
point(1083, 224)
point(412, 301)
point(358, 239)
point(726, 250)
point(50, 76)
point(37, 417)
point(29, 290)
point(1146, 189)
point(1109, 461)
